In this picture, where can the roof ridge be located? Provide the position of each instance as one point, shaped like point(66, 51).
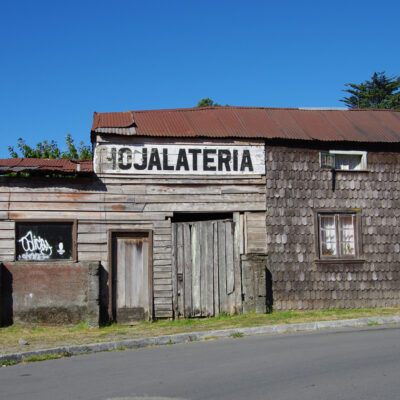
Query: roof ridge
point(98, 114)
point(215, 108)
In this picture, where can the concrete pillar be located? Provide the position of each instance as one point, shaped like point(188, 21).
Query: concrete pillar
point(93, 305)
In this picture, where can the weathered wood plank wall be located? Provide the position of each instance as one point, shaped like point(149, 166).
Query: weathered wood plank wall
point(125, 202)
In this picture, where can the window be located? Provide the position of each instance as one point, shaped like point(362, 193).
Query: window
point(344, 160)
point(338, 235)
point(350, 160)
point(41, 241)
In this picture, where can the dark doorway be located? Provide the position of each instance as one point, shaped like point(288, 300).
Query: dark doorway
point(6, 296)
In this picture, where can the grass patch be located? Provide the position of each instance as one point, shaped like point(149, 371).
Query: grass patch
point(373, 323)
point(236, 335)
point(41, 336)
point(211, 338)
point(7, 363)
point(44, 357)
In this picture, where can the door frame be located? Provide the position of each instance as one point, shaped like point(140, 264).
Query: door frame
point(129, 233)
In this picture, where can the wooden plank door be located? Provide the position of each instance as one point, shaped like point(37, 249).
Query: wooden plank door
point(207, 269)
point(131, 278)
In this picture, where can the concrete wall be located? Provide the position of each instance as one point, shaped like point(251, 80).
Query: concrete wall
point(63, 293)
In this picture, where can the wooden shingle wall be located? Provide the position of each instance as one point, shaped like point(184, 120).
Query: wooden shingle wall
point(296, 186)
point(124, 202)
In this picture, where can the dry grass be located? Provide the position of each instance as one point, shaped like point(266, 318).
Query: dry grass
point(40, 336)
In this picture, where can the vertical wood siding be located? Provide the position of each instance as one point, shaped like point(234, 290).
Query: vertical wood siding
point(205, 257)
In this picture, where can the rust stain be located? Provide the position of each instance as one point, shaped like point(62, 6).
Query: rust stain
point(15, 215)
point(71, 196)
point(118, 207)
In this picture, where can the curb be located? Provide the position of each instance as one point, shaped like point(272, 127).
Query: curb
point(196, 336)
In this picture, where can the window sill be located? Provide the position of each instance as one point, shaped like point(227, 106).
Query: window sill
point(339, 261)
point(65, 261)
point(352, 170)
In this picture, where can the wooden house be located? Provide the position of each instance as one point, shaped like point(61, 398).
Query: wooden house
point(196, 212)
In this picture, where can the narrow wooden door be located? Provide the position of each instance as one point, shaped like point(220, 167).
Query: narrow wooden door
point(207, 269)
point(131, 278)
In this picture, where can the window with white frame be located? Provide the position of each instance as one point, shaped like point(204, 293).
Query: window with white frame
point(349, 160)
point(338, 235)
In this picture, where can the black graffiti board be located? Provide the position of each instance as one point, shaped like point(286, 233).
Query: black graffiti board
point(40, 241)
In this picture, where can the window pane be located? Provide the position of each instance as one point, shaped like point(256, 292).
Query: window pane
point(347, 235)
point(348, 161)
point(328, 236)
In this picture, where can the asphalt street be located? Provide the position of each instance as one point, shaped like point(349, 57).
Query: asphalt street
point(347, 364)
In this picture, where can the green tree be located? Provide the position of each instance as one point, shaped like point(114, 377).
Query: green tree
point(207, 102)
point(379, 92)
point(50, 149)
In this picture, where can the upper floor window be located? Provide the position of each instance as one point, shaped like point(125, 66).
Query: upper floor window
point(344, 160)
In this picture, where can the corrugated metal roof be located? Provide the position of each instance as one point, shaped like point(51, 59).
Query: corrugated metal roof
point(45, 165)
point(112, 120)
point(252, 122)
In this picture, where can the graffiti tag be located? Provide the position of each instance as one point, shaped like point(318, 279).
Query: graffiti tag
point(35, 248)
point(61, 250)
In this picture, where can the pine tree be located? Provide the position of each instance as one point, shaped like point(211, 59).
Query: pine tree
point(381, 92)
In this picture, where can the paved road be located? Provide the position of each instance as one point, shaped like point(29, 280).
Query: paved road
point(349, 364)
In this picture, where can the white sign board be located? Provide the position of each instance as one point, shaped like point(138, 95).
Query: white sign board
point(170, 159)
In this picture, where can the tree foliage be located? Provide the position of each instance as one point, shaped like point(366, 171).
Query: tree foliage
point(50, 149)
point(207, 102)
point(379, 92)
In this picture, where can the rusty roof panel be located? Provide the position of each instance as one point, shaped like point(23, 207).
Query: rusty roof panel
point(373, 125)
point(162, 123)
point(287, 124)
point(257, 123)
point(344, 126)
point(48, 165)
point(112, 120)
point(315, 125)
point(206, 124)
point(389, 122)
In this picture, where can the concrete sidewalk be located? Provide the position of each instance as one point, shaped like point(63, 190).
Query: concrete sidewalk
point(196, 336)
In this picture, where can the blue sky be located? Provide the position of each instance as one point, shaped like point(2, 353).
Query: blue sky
point(62, 60)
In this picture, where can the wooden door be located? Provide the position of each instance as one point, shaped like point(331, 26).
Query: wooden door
point(131, 277)
point(207, 269)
